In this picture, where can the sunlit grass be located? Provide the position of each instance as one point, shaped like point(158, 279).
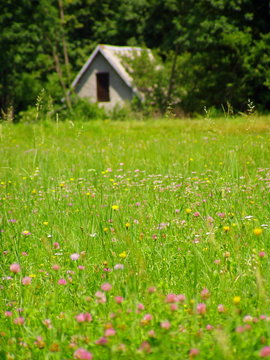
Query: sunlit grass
point(130, 240)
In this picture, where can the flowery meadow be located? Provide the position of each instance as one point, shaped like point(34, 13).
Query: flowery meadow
point(135, 240)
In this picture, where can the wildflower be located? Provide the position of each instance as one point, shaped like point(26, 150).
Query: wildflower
point(110, 332)
point(221, 215)
point(19, 320)
point(26, 233)
point(196, 214)
point(146, 319)
point(188, 211)
point(74, 257)
point(140, 307)
point(221, 308)
point(226, 228)
point(101, 341)
point(47, 323)
point(209, 327)
point(236, 300)
point(119, 299)
point(257, 231)
point(145, 347)
point(248, 319)
point(115, 207)
point(119, 267)
point(8, 313)
point(165, 325)
point(86, 317)
point(174, 307)
point(240, 329)
point(151, 333)
point(81, 267)
point(205, 294)
point(80, 318)
point(181, 297)
point(82, 354)
point(62, 282)
point(193, 352)
point(101, 297)
point(152, 289)
point(201, 308)
point(171, 298)
point(26, 280)
point(56, 267)
point(265, 351)
point(123, 255)
point(261, 254)
point(127, 225)
point(106, 287)
point(56, 245)
point(40, 342)
point(15, 268)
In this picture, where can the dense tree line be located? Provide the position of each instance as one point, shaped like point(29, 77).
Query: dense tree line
point(218, 51)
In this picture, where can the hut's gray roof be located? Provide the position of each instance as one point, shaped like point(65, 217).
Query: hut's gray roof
point(114, 55)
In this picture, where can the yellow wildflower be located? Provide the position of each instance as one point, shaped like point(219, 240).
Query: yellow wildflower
point(236, 300)
point(123, 255)
point(257, 231)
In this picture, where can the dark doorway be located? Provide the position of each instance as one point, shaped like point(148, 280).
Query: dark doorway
point(103, 83)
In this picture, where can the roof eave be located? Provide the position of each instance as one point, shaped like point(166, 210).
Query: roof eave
point(110, 61)
point(85, 66)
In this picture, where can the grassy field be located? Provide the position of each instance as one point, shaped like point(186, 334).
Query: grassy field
point(135, 240)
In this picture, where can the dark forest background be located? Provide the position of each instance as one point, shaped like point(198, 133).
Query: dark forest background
point(215, 53)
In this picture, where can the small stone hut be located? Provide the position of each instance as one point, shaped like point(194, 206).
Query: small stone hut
point(104, 79)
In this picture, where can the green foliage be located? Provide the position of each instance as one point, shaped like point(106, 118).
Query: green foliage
point(221, 47)
point(83, 110)
point(43, 110)
point(149, 78)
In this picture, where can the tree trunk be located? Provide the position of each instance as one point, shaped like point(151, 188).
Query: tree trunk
point(64, 43)
point(170, 87)
point(60, 74)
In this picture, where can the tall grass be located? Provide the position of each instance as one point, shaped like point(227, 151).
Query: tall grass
point(126, 240)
